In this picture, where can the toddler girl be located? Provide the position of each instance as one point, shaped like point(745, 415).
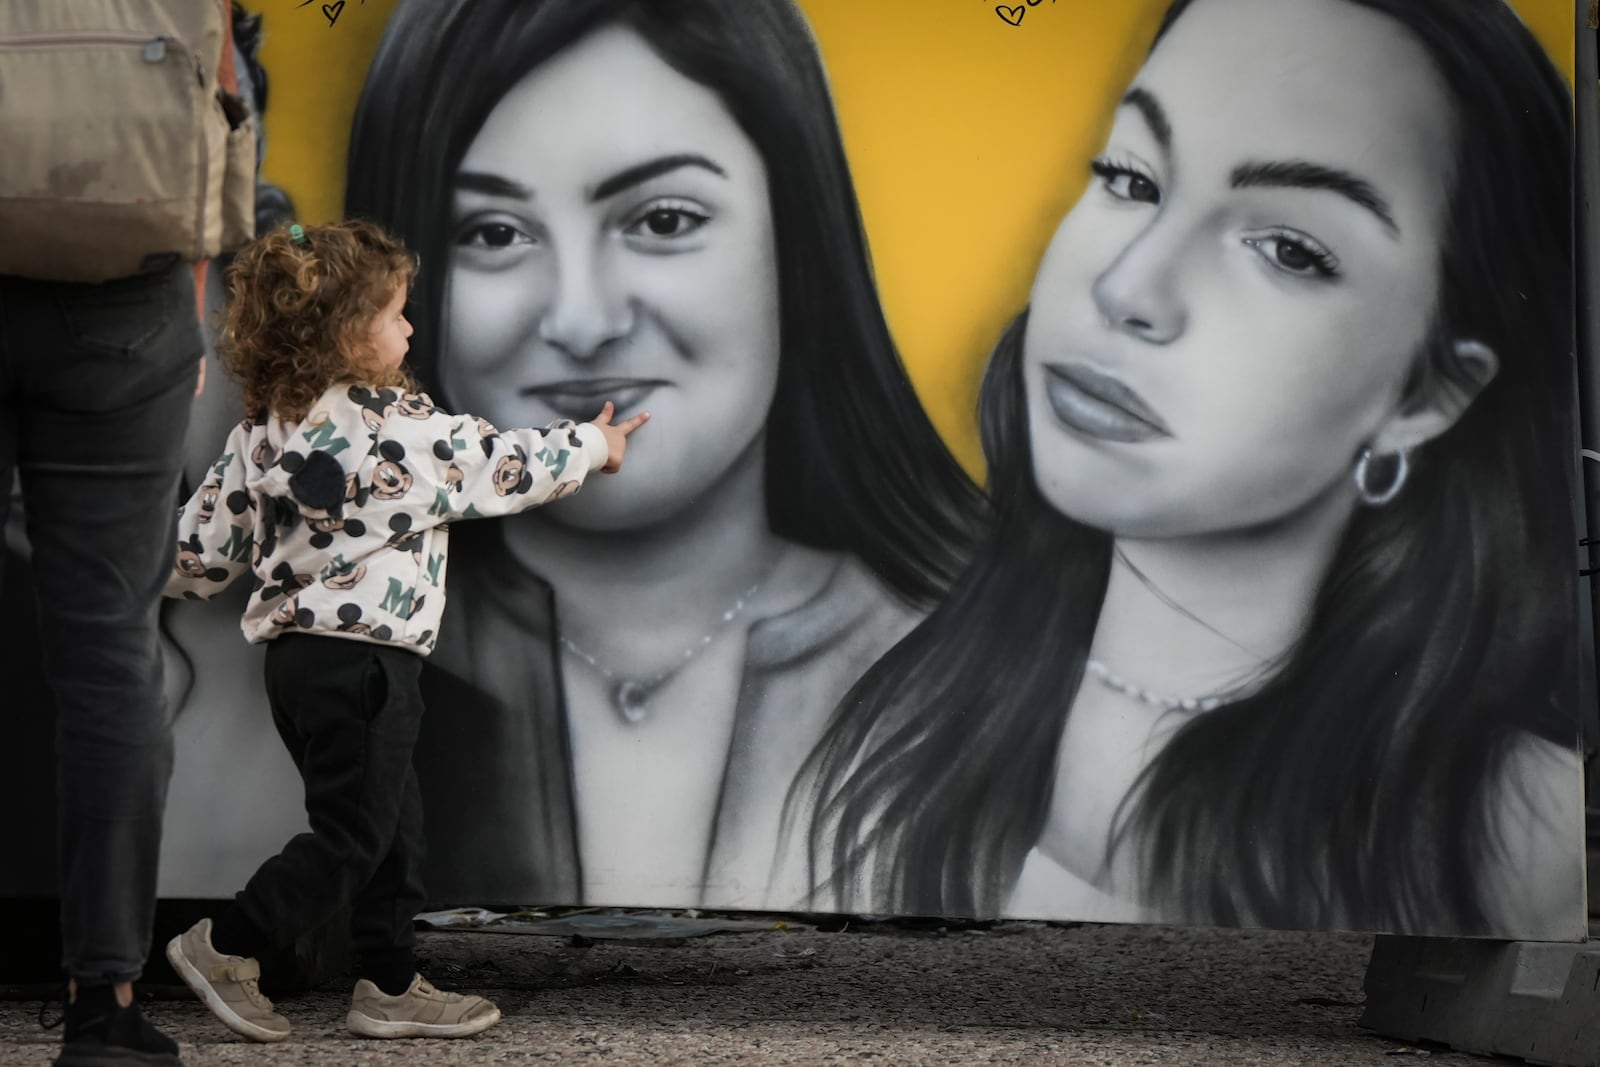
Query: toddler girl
point(336, 492)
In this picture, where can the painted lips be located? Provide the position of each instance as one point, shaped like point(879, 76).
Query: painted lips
point(1093, 403)
point(582, 399)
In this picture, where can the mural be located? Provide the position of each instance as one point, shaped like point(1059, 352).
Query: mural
point(1092, 476)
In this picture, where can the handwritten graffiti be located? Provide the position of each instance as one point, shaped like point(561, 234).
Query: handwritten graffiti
point(1013, 14)
point(332, 11)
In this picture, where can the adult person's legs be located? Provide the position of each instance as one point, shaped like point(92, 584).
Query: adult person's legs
point(96, 383)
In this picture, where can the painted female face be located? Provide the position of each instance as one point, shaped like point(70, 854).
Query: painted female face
point(1230, 312)
point(613, 241)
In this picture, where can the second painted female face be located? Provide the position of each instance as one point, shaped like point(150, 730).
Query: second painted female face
point(613, 240)
point(1232, 309)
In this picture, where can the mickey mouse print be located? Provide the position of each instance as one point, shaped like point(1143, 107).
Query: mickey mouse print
point(351, 541)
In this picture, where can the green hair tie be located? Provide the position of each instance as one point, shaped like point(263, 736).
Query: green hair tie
point(298, 234)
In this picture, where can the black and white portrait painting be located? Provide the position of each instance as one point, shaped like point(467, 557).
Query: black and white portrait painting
point(1112, 465)
point(1276, 621)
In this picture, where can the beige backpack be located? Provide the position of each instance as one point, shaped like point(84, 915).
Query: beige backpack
point(119, 150)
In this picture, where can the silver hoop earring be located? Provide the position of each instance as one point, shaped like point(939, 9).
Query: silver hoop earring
point(1377, 498)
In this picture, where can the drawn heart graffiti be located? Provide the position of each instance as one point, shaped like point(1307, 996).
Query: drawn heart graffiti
point(331, 12)
point(1013, 15)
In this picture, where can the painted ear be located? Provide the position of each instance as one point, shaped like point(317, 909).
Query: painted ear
point(359, 395)
point(1442, 399)
point(443, 451)
point(393, 451)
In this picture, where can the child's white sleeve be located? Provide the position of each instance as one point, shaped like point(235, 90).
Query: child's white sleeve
point(476, 471)
point(216, 527)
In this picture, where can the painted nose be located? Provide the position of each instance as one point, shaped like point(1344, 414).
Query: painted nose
point(589, 311)
point(1138, 293)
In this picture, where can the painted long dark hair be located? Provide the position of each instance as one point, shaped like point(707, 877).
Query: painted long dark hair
point(908, 512)
point(1352, 790)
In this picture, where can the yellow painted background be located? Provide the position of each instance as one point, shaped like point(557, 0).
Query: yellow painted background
point(968, 137)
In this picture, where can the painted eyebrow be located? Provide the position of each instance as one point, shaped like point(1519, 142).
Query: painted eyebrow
point(472, 181)
point(1290, 174)
point(1155, 116)
point(494, 185)
point(1298, 174)
point(653, 168)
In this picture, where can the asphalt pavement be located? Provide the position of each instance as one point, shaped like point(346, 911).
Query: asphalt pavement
point(781, 991)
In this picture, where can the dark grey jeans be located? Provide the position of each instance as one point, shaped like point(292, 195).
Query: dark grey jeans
point(96, 384)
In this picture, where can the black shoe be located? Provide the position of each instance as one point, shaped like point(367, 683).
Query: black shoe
point(102, 1033)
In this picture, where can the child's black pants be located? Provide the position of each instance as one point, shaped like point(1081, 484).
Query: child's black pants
point(349, 712)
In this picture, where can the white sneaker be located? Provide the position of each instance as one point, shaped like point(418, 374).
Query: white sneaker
point(421, 1011)
point(227, 984)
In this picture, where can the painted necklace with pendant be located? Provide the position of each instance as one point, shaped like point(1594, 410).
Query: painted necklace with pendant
point(630, 697)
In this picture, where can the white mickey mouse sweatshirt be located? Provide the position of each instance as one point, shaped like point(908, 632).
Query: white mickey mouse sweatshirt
point(344, 518)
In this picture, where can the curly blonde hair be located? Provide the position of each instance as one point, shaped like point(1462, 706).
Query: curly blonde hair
point(301, 313)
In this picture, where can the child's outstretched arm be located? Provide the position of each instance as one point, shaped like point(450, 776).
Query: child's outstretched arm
point(216, 528)
point(476, 471)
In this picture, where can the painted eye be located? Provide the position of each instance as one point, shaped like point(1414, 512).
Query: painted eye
point(1138, 187)
point(667, 220)
point(493, 235)
point(1294, 257)
point(670, 223)
point(1296, 254)
point(1126, 183)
